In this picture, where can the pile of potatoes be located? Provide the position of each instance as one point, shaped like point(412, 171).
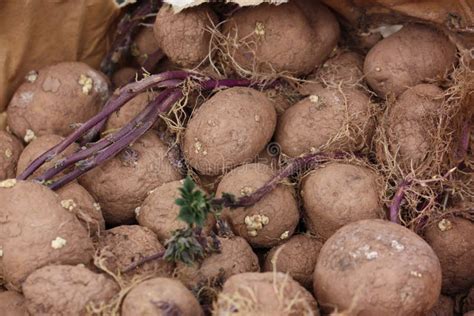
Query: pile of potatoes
point(318, 243)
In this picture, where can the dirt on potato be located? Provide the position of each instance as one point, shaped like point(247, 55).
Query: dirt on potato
point(10, 150)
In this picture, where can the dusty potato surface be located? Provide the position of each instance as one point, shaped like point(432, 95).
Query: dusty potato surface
point(338, 194)
point(328, 117)
point(375, 267)
point(123, 76)
point(123, 245)
point(184, 37)
point(54, 97)
point(269, 221)
point(452, 241)
point(297, 257)
point(236, 256)
point(144, 45)
point(10, 150)
point(35, 230)
point(269, 293)
point(128, 111)
point(229, 129)
point(160, 296)
point(409, 57)
point(121, 184)
point(12, 304)
point(66, 290)
point(257, 43)
point(444, 307)
point(159, 212)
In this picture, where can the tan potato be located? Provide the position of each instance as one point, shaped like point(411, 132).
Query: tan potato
point(341, 121)
point(144, 45)
point(269, 221)
point(236, 256)
point(54, 97)
point(338, 194)
point(160, 296)
point(159, 212)
point(297, 257)
point(229, 129)
point(294, 37)
point(123, 76)
point(269, 293)
point(123, 245)
point(444, 307)
point(128, 111)
point(77, 200)
point(35, 230)
point(375, 267)
point(10, 150)
point(121, 184)
point(185, 37)
point(12, 304)
point(409, 57)
point(66, 290)
point(452, 241)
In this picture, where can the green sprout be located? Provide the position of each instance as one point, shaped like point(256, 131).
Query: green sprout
point(194, 204)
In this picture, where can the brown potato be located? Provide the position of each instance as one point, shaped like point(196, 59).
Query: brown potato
point(144, 45)
point(297, 257)
point(159, 212)
point(66, 290)
point(452, 241)
point(338, 194)
point(294, 37)
point(35, 230)
point(375, 267)
point(128, 111)
point(409, 57)
point(468, 301)
point(269, 293)
point(12, 304)
point(185, 37)
point(236, 256)
point(54, 97)
point(10, 150)
point(444, 307)
point(123, 76)
point(160, 296)
point(269, 221)
point(123, 245)
point(341, 120)
point(121, 184)
point(229, 129)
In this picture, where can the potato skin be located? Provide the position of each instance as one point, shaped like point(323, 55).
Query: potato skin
point(123, 76)
point(455, 250)
point(183, 36)
point(36, 230)
point(297, 257)
point(10, 150)
point(338, 194)
point(229, 129)
point(269, 293)
point(468, 301)
point(444, 307)
point(121, 184)
point(175, 298)
point(128, 111)
point(54, 100)
point(411, 56)
point(144, 45)
point(375, 267)
point(12, 304)
point(66, 290)
point(279, 206)
point(294, 37)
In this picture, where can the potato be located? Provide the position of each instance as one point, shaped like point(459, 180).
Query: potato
point(77, 200)
point(229, 129)
point(338, 194)
point(468, 301)
point(185, 36)
point(342, 119)
point(121, 184)
point(128, 111)
point(159, 212)
point(409, 57)
point(236, 256)
point(294, 37)
point(66, 290)
point(375, 267)
point(123, 245)
point(269, 293)
point(269, 221)
point(160, 296)
point(12, 304)
point(444, 307)
point(144, 45)
point(54, 97)
point(297, 257)
point(452, 241)
point(10, 150)
point(35, 230)
point(123, 76)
